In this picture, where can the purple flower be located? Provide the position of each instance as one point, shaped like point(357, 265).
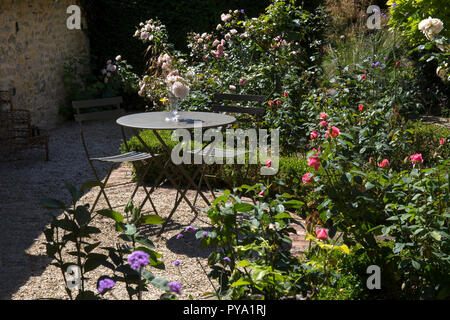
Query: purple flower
point(179, 236)
point(394, 5)
point(105, 284)
point(377, 64)
point(372, 64)
point(176, 263)
point(364, 15)
point(441, 105)
point(190, 228)
point(428, 89)
point(205, 234)
point(175, 287)
point(242, 11)
point(138, 260)
point(375, 10)
point(406, 13)
point(227, 259)
point(385, 58)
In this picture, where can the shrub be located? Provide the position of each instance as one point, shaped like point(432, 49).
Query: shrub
point(407, 14)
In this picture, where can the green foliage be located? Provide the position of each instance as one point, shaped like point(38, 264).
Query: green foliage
point(180, 17)
point(116, 78)
point(407, 15)
point(72, 235)
point(251, 259)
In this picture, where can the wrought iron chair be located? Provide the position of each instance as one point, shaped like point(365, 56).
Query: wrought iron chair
point(219, 152)
point(17, 133)
point(137, 158)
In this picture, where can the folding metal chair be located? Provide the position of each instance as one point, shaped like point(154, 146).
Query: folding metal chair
point(219, 152)
point(137, 158)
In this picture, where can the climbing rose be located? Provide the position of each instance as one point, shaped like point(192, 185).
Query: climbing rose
point(416, 158)
point(270, 103)
point(363, 77)
point(278, 102)
point(232, 88)
point(322, 234)
point(261, 193)
point(323, 123)
point(323, 115)
point(442, 141)
point(370, 159)
point(285, 94)
point(242, 82)
point(313, 135)
point(384, 163)
point(105, 284)
point(314, 162)
point(307, 178)
point(175, 286)
point(269, 163)
point(138, 259)
point(335, 132)
point(361, 107)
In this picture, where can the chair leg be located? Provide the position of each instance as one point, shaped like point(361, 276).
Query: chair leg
point(102, 190)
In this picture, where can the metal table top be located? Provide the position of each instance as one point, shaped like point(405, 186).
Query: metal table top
point(186, 120)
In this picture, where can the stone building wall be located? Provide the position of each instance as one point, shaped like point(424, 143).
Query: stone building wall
point(35, 43)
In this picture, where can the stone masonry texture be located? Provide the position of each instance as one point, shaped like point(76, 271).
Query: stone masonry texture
point(35, 43)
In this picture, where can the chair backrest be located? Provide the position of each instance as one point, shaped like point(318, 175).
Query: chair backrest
point(256, 111)
point(100, 114)
point(15, 124)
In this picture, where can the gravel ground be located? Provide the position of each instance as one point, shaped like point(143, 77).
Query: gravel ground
point(25, 270)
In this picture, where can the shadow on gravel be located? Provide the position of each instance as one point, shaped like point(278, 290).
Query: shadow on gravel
point(188, 245)
point(26, 179)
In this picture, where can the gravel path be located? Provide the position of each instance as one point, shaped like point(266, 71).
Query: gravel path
point(25, 270)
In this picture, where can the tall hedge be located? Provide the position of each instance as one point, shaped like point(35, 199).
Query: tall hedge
point(111, 23)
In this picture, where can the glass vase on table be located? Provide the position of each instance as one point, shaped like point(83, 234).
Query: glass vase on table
point(173, 108)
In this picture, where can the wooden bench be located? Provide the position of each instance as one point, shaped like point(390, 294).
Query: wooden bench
point(17, 132)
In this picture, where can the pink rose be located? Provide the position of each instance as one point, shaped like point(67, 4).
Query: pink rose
point(261, 193)
point(363, 77)
point(442, 141)
point(384, 163)
point(335, 132)
point(370, 159)
point(361, 107)
point(323, 115)
point(323, 123)
point(231, 87)
point(314, 135)
point(314, 162)
point(416, 158)
point(269, 163)
point(242, 82)
point(307, 178)
point(216, 43)
point(322, 234)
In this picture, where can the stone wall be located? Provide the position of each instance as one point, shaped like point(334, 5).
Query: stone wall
point(34, 45)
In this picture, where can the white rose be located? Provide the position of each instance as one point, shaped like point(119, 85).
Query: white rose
point(118, 58)
point(179, 90)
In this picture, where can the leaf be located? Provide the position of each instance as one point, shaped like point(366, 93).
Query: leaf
point(243, 207)
point(93, 261)
point(240, 282)
point(91, 247)
point(116, 216)
point(283, 215)
point(369, 185)
point(91, 184)
point(243, 263)
point(436, 235)
point(82, 215)
point(152, 219)
point(160, 283)
point(145, 242)
point(53, 204)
